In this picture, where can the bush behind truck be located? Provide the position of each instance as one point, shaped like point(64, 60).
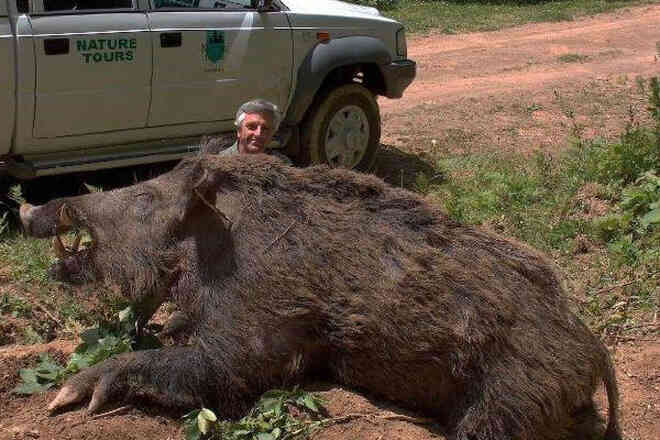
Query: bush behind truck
point(93, 84)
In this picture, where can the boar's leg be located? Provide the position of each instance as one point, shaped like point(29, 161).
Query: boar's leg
point(175, 377)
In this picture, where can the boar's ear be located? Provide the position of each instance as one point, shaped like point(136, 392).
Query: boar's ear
point(203, 192)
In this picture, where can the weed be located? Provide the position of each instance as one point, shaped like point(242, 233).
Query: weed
point(533, 107)
point(16, 307)
point(572, 58)
point(31, 336)
point(4, 223)
point(269, 419)
point(98, 344)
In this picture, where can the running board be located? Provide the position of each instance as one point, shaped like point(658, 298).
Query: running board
point(77, 161)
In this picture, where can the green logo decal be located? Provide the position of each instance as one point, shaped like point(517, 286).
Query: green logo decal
point(215, 46)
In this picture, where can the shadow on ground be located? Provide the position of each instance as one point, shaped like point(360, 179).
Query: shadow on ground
point(400, 168)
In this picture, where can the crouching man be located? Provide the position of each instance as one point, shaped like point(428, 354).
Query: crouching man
point(256, 122)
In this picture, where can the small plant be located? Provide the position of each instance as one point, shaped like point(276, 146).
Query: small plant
point(269, 419)
point(99, 343)
point(16, 194)
point(14, 306)
point(643, 200)
point(573, 58)
point(4, 223)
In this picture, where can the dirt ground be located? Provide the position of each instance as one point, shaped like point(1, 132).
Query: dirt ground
point(523, 89)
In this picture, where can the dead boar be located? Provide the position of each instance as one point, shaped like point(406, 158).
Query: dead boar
point(289, 272)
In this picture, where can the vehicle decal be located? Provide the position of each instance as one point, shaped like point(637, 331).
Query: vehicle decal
point(213, 50)
point(110, 50)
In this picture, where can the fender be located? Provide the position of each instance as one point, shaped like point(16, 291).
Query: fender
point(323, 59)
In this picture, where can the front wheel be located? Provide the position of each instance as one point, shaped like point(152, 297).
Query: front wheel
point(343, 130)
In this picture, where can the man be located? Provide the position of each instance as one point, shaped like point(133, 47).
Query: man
point(256, 122)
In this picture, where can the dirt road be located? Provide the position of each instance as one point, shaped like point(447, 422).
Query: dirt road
point(521, 89)
point(515, 89)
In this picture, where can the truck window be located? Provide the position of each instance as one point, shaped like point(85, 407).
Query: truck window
point(203, 4)
point(22, 6)
point(82, 5)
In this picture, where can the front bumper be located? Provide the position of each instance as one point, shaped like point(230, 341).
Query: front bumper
point(398, 75)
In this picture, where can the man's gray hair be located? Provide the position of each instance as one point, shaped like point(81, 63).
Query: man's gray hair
point(259, 106)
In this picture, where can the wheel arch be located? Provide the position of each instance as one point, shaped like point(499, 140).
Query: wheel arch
point(338, 62)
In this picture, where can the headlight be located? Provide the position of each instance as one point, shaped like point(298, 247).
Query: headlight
point(401, 48)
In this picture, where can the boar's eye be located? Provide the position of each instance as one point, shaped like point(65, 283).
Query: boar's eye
point(143, 204)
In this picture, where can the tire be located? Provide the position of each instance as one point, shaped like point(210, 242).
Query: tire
point(343, 129)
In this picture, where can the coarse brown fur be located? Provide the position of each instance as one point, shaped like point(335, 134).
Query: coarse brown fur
point(288, 272)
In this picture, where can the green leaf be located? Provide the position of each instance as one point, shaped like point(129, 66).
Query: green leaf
point(208, 415)
point(264, 426)
point(270, 403)
point(310, 403)
point(652, 217)
point(203, 424)
point(126, 314)
point(28, 388)
point(276, 433)
point(191, 432)
point(90, 337)
point(265, 436)
point(28, 375)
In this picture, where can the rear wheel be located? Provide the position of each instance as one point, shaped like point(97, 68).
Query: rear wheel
point(343, 130)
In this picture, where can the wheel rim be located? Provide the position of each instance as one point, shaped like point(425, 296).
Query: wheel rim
point(347, 137)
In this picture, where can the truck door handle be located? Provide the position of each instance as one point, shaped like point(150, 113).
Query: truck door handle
point(170, 39)
point(56, 46)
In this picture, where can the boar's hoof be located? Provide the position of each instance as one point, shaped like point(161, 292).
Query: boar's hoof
point(67, 395)
point(97, 381)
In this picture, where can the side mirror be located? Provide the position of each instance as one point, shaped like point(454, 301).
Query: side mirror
point(262, 5)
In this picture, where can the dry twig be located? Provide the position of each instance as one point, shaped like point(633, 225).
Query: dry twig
point(627, 283)
point(38, 305)
point(213, 208)
point(100, 416)
point(280, 236)
point(399, 417)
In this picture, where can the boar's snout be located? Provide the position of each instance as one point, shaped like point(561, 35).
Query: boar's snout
point(26, 212)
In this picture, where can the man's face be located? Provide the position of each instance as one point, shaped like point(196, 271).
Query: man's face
point(255, 133)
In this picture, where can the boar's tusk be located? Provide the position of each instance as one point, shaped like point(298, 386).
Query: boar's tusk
point(60, 250)
point(65, 216)
point(76, 242)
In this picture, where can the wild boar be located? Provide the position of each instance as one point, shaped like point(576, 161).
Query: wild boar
point(289, 272)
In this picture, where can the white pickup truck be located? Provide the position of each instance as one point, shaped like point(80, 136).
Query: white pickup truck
point(91, 84)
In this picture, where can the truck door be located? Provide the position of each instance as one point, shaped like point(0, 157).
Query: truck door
point(210, 56)
point(93, 66)
point(7, 80)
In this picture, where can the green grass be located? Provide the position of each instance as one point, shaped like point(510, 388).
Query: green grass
point(28, 259)
point(452, 17)
point(545, 201)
